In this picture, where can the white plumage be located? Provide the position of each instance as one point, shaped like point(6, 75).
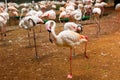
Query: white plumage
point(51, 14)
point(68, 38)
point(4, 16)
point(28, 23)
point(73, 26)
point(117, 7)
point(96, 11)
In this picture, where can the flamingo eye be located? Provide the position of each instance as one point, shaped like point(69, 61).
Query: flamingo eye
point(73, 27)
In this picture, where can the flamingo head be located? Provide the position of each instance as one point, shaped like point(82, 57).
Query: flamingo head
point(79, 28)
point(48, 28)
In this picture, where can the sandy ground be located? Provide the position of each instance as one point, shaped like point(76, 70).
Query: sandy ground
point(17, 61)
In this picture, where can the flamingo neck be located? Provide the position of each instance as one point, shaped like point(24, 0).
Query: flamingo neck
point(53, 29)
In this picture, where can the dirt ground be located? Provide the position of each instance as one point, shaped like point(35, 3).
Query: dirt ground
point(17, 61)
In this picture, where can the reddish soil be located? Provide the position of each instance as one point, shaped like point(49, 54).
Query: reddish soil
point(17, 62)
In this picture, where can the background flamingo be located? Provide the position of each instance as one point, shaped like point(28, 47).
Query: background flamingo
point(28, 23)
point(4, 16)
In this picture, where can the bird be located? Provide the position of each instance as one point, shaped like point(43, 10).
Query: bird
point(28, 23)
point(63, 14)
point(51, 14)
point(70, 39)
point(67, 26)
point(4, 16)
point(96, 15)
point(117, 9)
point(73, 26)
point(37, 13)
point(77, 14)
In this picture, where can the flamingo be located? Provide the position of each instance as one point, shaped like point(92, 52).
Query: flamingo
point(4, 16)
point(73, 26)
point(51, 14)
point(28, 23)
point(67, 26)
point(37, 13)
point(101, 5)
point(117, 8)
point(68, 38)
point(97, 12)
point(63, 14)
point(77, 14)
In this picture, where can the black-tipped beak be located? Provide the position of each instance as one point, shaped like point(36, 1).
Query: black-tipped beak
point(50, 36)
point(49, 31)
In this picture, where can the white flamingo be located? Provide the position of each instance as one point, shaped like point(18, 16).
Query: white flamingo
point(4, 16)
point(96, 14)
point(67, 26)
point(51, 14)
point(73, 26)
point(117, 8)
point(63, 14)
point(68, 38)
point(28, 23)
point(101, 5)
point(77, 14)
point(37, 13)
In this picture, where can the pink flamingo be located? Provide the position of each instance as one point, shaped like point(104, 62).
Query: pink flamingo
point(68, 38)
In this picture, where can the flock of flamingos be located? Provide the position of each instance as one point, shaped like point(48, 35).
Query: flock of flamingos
point(32, 14)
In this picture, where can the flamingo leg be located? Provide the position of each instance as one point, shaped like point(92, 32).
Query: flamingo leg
point(73, 54)
point(1, 36)
point(29, 38)
point(98, 25)
point(40, 29)
point(3, 30)
point(85, 51)
point(70, 74)
point(36, 55)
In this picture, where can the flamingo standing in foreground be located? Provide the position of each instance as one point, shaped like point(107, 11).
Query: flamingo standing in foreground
point(67, 26)
point(68, 38)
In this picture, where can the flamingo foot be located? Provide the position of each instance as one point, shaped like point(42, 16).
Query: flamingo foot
point(69, 76)
point(86, 55)
point(37, 57)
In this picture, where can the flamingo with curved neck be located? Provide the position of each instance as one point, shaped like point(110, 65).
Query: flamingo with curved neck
point(68, 38)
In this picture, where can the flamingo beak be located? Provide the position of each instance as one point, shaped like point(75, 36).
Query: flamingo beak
point(50, 37)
